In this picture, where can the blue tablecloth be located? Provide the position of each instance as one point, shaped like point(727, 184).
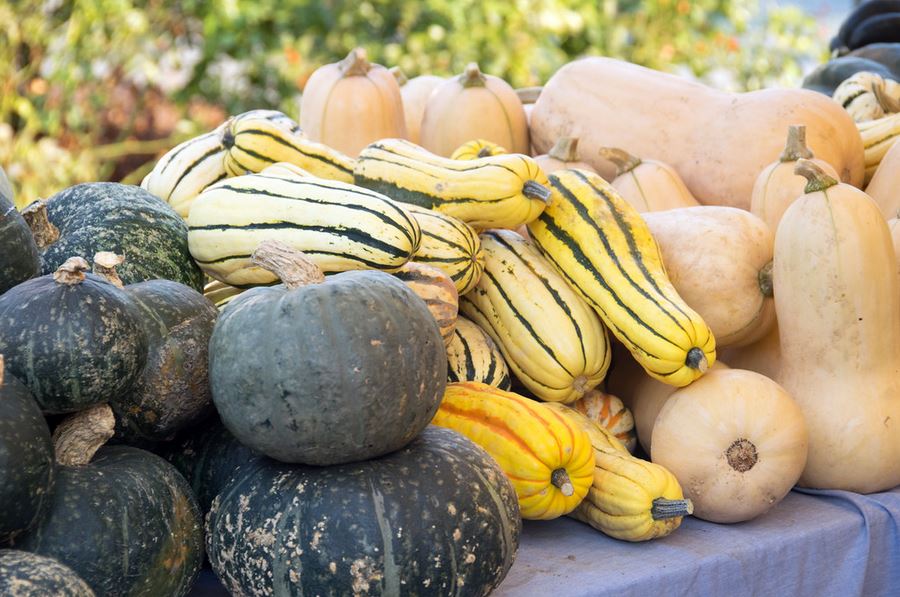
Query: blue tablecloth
point(814, 543)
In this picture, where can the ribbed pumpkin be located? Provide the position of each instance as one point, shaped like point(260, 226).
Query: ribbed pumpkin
point(549, 462)
point(123, 519)
point(437, 517)
point(359, 352)
point(90, 345)
point(437, 290)
point(449, 244)
point(351, 103)
point(122, 219)
point(19, 258)
point(415, 93)
point(609, 412)
point(26, 458)
point(474, 106)
point(473, 356)
point(563, 154)
point(648, 185)
point(24, 574)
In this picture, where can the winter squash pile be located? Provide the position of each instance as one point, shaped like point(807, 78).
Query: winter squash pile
point(427, 315)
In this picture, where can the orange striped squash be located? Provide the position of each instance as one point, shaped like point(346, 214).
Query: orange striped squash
point(548, 459)
point(610, 413)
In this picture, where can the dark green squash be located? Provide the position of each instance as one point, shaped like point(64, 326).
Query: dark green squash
point(124, 520)
point(73, 338)
point(122, 219)
point(19, 259)
point(26, 458)
point(887, 54)
point(826, 77)
point(24, 574)
point(340, 369)
point(438, 517)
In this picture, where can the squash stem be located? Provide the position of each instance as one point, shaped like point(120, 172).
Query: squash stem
point(535, 190)
point(696, 359)
point(71, 272)
point(105, 264)
point(356, 64)
point(528, 95)
point(79, 436)
point(44, 233)
point(560, 479)
point(816, 178)
point(399, 75)
point(485, 152)
point(663, 508)
point(472, 76)
point(565, 149)
point(623, 161)
point(293, 267)
point(766, 285)
point(795, 148)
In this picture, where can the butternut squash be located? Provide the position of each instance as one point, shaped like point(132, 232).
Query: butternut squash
point(720, 261)
point(648, 185)
point(717, 141)
point(838, 304)
point(884, 187)
point(763, 356)
point(415, 93)
point(563, 154)
point(736, 442)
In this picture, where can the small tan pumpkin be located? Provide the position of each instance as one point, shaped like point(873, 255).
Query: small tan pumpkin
point(474, 106)
point(648, 185)
point(349, 104)
point(436, 288)
point(563, 154)
point(415, 93)
point(609, 412)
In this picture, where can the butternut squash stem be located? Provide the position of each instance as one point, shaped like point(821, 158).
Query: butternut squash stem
point(623, 161)
point(816, 178)
point(290, 265)
point(44, 233)
point(472, 76)
point(535, 190)
point(78, 437)
point(105, 264)
point(764, 277)
point(663, 508)
point(696, 359)
point(795, 148)
point(71, 272)
point(560, 479)
point(355, 64)
point(399, 75)
point(565, 149)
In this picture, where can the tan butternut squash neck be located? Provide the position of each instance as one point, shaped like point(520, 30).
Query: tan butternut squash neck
point(663, 508)
point(565, 149)
point(816, 178)
point(472, 76)
point(78, 437)
point(623, 161)
point(291, 266)
point(356, 64)
point(44, 233)
point(560, 479)
point(795, 148)
point(399, 75)
point(71, 272)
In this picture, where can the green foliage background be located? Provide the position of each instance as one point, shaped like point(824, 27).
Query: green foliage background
point(96, 89)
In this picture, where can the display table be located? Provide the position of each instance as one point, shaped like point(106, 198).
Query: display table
point(814, 543)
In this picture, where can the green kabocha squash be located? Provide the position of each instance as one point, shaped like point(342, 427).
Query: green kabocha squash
point(438, 517)
point(122, 219)
point(19, 257)
point(124, 519)
point(172, 390)
point(26, 458)
point(72, 337)
point(24, 574)
point(323, 371)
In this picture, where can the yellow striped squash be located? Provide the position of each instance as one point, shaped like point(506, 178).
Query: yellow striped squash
point(449, 244)
point(548, 460)
point(284, 170)
point(878, 137)
point(255, 142)
point(479, 148)
point(503, 191)
point(603, 247)
point(186, 170)
point(220, 294)
point(473, 356)
point(630, 499)
point(551, 339)
point(609, 412)
point(437, 290)
point(339, 226)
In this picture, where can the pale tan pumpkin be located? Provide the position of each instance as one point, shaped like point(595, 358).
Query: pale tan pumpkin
point(415, 93)
point(838, 304)
point(349, 104)
point(563, 154)
point(719, 259)
point(736, 442)
point(777, 186)
point(474, 106)
point(717, 141)
point(884, 187)
point(648, 185)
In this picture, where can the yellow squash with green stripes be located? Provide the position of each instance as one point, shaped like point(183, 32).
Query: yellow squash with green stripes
point(473, 356)
point(337, 225)
point(255, 141)
point(450, 245)
point(603, 247)
point(551, 339)
point(220, 294)
point(503, 191)
point(478, 148)
point(548, 460)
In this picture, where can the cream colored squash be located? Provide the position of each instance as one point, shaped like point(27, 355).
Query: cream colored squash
point(349, 104)
point(838, 304)
point(763, 356)
point(563, 154)
point(648, 185)
point(474, 106)
point(717, 141)
point(415, 93)
point(777, 186)
point(884, 187)
point(736, 442)
point(720, 261)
